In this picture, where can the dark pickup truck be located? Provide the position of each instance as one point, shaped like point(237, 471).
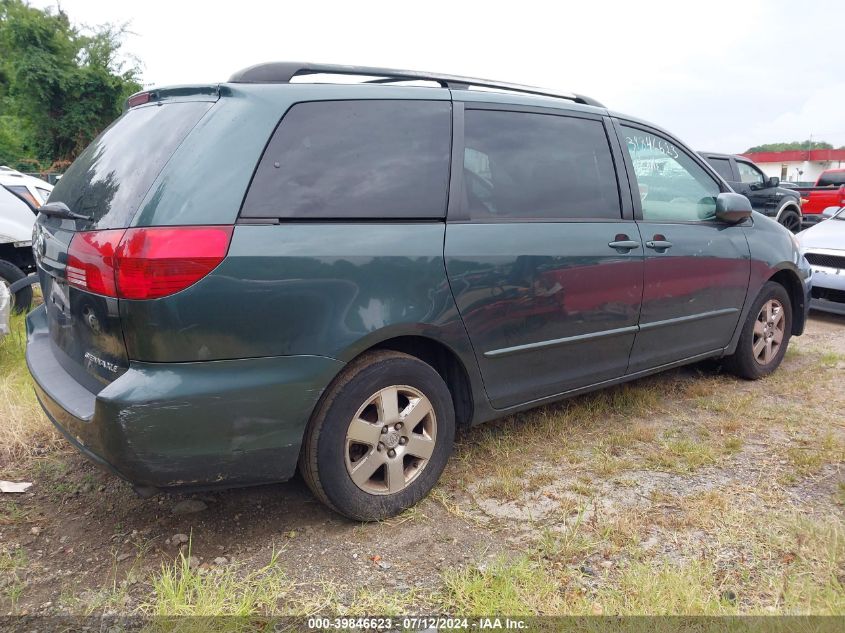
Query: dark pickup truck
point(764, 192)
point(828, 192)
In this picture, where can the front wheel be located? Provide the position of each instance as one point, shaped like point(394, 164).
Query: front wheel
point(791, 221)
point(9, 273)
point(765, 334)
point(380, 437)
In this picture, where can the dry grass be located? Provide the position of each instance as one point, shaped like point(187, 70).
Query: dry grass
point(24, 429)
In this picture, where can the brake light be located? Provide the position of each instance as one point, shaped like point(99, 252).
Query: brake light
point(145, 263)
point(139, 98)
point(91, 261)
point(157, 262)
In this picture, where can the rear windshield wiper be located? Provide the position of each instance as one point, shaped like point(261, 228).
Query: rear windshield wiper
point(60, 210)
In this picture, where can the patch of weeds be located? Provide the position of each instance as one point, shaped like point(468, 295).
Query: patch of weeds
point(583, 486)
point(519, 587)
point(180, 590)
point(831, 359)
point(506, 483)
point(606, 464)
point(732, 445)
point(414, 513)
point(13, 513)
point(683, 455)
point(11, 562)
point(541, 479)
point(13, 592)
point(807, 456)
point(14, 560)
point(51, 470)
point(839, 495)
point(565, 546)
point(691, 588)
point(25, 429)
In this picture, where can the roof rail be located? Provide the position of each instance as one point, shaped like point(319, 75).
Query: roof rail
point(283, 72)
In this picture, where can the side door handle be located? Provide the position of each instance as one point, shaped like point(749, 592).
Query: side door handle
point(623, 243)
point(660, 245)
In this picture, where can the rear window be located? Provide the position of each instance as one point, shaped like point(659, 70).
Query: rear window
point(833, 178)
point(355, 159)
point(110, 178)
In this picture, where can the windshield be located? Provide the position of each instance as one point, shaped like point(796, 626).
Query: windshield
point(111, 177)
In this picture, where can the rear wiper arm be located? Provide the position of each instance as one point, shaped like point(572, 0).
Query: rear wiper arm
point(60, 210)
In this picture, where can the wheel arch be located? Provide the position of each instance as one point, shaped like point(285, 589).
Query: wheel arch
point(792, 283)
point(789, 205)
point(455, 364)
point(445, 362)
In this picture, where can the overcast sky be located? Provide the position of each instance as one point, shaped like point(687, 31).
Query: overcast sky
point(722, 75)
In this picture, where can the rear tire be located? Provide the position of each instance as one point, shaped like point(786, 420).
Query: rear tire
point(380, 437)
point(791, 221)
point(9, 273)
point(765, 334)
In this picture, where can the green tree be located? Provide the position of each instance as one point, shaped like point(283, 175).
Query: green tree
point(785, 147)
point(59, 85)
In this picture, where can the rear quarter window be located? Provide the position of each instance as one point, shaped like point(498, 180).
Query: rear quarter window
point(355, 159)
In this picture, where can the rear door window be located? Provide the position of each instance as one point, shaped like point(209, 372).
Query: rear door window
point(111, 177)
point(520, 165)
point(355, 159)
point(722, 167)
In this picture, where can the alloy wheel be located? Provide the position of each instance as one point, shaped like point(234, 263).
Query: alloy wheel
point(390, 440)
point(792, 222)
point(769, 329)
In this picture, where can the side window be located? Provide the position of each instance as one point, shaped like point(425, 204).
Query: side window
point(722, 167)
point(355, 159)
point(749, 174)
point(672, 186)
point(537, 166)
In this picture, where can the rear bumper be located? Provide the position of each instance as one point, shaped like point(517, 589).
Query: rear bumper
point(203, 424)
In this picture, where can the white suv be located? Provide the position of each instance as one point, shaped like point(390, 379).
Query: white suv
point(20, 198)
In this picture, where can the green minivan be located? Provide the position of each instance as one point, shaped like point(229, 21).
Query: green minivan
point(275, 271)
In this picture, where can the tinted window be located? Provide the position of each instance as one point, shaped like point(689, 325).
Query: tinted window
point(672, 186)
point(520, 165)
point(832, 178)
point(749, 174)
point(110, 178)
point(722, 167)
point(355, 159)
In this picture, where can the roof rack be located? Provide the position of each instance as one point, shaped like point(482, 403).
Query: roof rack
point(283, 72)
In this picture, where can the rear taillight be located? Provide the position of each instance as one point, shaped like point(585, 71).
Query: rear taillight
point(91, 261)
point(145, 263)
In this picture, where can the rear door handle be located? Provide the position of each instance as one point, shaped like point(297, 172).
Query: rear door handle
point(625, 245)
point(659, 245)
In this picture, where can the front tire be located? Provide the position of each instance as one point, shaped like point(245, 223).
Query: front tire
point(765, 334)
point(9, 273)
point(380, 437)
point(791, 221)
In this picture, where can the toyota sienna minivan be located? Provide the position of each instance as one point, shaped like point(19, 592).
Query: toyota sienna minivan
point(269, 273)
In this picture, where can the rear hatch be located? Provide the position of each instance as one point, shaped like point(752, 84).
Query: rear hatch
point(106, 184)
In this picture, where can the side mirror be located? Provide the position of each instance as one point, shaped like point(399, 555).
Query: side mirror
point(829, 212)
point(774, 181)
point(732, 207)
